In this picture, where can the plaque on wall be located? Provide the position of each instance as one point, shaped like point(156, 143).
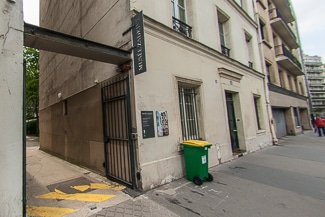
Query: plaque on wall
point(148, 128)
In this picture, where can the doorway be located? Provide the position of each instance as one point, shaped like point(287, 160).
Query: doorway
point(232, 122)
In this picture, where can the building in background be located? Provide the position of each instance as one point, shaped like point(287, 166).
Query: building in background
point(316, 82)
point(200, 77)
point(282, 59)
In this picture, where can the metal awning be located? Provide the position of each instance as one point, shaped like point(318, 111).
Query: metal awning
point(49, 40)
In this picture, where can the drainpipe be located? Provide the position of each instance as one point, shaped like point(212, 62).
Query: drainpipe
point(266, 89)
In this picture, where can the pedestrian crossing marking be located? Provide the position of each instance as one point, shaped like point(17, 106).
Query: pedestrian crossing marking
point(79, 197)
point(45, 211)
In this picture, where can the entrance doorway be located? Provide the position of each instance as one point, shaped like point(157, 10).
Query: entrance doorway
point(117, 126)
point(232, 122)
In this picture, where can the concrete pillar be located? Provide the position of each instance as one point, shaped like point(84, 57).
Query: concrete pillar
point(11, 108)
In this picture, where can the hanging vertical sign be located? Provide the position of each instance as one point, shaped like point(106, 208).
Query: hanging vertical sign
point(139, 53)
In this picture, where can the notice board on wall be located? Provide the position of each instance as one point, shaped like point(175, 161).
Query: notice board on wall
point(148, 128)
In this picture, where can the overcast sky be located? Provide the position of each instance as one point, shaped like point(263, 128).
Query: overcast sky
point(310, 15)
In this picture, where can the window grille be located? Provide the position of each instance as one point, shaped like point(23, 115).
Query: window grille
point(188, 111)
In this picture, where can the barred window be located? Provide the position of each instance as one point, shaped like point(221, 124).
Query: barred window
point(257, 112)
point(188, 111)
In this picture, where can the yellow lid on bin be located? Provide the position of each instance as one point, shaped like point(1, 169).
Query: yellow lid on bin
point(198, 143)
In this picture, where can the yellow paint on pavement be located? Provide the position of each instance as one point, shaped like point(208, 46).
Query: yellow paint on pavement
point(105, 186)
point(45, 211)
point(79, 197)
point(81, 188)
point(58, 191)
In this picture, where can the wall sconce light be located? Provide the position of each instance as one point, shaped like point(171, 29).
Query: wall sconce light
point(124, 67)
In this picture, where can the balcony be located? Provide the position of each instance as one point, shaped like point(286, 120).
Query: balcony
point(250, 64)
point(225, 50)
point(315, 69)
point(285, 9)
point(316, 77)
point(288, 61)
point(182, 27)
point(279, 24)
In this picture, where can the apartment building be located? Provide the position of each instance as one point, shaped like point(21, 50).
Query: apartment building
point(201, 77)
point(316, 83)
point(282, 57)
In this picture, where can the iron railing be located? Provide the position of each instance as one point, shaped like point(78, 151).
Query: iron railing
point(182, 27)
point(250, 64)
point(188, 110)
point(279, 15)
point(225, 50)
point(282, 50)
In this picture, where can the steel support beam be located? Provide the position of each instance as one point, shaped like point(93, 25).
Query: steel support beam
point(49, 40)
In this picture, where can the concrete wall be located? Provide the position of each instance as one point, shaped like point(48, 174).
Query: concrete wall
point(78, 136)
point(11, 117)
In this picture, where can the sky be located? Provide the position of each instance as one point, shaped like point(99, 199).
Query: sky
point(310, 15)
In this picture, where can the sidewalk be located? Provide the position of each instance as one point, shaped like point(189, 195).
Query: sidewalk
point(285, 180)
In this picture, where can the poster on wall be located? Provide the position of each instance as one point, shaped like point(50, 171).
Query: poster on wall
point(162, 123)
point(148, 129)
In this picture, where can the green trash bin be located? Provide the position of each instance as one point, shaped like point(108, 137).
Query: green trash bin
point(196, 161)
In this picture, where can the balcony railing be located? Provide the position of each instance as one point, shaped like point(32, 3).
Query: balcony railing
point(279, 15)
point(288, 54)
point(250, 64)
point(316, 69)
point(182, 27)
point(225, 50)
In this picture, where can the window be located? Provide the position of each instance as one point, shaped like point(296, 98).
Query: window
point(188, 111)
point(268, 71)
point(258, 112)
point(178, 10)
point(290, 83)
point(179, 18)
point(65, 107)
point(222, 26)
point(295, 112)
point(249, 48)
point(263, 30)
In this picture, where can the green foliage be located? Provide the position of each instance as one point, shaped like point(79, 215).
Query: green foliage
point(31, 57)
point(32, 127)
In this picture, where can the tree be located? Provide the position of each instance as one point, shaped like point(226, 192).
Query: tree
point(31, 57)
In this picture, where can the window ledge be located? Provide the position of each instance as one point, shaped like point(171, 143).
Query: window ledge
point(268, 44)
point(260, 132)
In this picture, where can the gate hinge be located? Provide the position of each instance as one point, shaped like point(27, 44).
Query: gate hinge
point(106, 139)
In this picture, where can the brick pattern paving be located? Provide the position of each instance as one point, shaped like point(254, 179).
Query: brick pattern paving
point(139, 207)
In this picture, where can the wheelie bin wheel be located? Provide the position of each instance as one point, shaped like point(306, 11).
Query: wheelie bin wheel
point(197, 180)
point(210, 178)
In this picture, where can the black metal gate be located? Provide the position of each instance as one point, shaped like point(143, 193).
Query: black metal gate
point(117, 126)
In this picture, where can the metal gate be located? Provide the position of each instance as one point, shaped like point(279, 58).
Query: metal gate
point(117, 127)
point(280, 122)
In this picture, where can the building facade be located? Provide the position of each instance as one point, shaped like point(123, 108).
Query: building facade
point(316, 83)
point(283, 57)
point(203, 80)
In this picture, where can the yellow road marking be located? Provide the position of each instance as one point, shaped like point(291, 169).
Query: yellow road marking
point(105, 186)
point(78, 196)
point(45, 211)
point(58, 191)
point(81, 188)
